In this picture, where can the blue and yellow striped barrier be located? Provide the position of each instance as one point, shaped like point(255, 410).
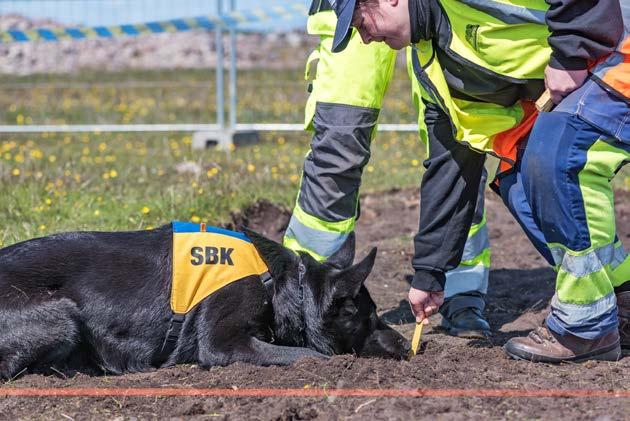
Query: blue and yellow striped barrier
point(228, 20)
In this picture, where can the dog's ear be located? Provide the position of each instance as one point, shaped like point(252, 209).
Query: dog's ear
point(348, 282)
point(343, 257)
point(278, 258)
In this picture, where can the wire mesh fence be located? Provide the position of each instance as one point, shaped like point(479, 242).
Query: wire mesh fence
point(174, 79)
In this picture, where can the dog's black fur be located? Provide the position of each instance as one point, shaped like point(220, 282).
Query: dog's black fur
point(100, 302)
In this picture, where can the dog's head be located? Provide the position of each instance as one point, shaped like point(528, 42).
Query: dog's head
point(326, 306)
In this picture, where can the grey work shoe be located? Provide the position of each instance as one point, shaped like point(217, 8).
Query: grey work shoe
point(467, 322)
point(544, 345)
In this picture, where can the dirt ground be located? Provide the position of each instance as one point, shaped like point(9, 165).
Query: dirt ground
point(520, 289)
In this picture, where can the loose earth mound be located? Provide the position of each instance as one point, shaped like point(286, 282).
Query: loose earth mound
point(520, 289)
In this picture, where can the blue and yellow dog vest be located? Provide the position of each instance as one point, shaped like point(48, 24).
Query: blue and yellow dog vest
point(205, 259)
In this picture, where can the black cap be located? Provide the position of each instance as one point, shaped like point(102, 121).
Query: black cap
point(344, 10)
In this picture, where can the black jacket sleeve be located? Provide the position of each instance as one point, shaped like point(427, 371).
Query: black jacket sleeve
point(582, 31)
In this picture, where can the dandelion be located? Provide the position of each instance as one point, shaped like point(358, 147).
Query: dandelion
point(415, 163)
point(251, 168)
point(48, 201)
point(15, 172)
point(97, 212)
point(146, 210)
point(36, 154)
point(195, 219)
point(52, 159)
point(113, 174)
point(42, 227)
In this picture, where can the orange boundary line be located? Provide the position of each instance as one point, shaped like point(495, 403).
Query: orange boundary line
point(313, 393)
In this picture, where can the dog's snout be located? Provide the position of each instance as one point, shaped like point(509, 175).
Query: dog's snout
point(386, 344)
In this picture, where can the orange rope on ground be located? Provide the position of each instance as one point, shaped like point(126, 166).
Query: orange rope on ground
point(313, 393)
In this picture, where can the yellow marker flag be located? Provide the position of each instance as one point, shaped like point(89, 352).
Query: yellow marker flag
point(415, 341)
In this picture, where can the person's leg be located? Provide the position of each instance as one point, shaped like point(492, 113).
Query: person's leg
point(512, 193)
point(342, 111)
point(567, 168)
point(467, 285)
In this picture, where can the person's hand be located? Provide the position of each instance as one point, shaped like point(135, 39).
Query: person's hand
point(561, 83)
point(425, 303)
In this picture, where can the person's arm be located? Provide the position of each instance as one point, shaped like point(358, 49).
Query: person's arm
point(449, 190)
point(582, 32)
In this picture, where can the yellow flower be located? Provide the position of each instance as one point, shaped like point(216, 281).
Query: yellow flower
point(15, 172)
point(415, 163)
point(113, 174)
point(97, 212)
point(251, 168)
point(42, 227)
point(52, 159)
point(195, 219)
point(48, 201)
point(36, 154)
point(145, 210)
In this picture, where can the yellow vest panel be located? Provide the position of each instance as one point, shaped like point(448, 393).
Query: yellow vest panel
point(205, 259)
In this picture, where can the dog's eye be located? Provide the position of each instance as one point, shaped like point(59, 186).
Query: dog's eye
point(348, 310)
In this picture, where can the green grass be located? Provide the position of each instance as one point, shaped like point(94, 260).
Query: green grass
point(53, 183)
point(184, 96)
point(60, 182)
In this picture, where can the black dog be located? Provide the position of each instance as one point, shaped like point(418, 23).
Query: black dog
point(101, 301)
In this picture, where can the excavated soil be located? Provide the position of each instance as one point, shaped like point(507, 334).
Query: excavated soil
point(520, 290)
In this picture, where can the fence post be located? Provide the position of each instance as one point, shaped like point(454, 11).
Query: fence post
point(219, 70)
point(233, 74)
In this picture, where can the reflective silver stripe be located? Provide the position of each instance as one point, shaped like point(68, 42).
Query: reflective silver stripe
point(578, 314)
point(476, 244)
point(466, 279)
point(619, 257)
point(323, 243)
point(581, 266)
point(508, 13)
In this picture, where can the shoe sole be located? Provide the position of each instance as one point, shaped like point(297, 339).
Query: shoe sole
point(468, 334)
point(610, 353)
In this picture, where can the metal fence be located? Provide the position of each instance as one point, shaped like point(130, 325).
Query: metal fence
point(81, 65)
